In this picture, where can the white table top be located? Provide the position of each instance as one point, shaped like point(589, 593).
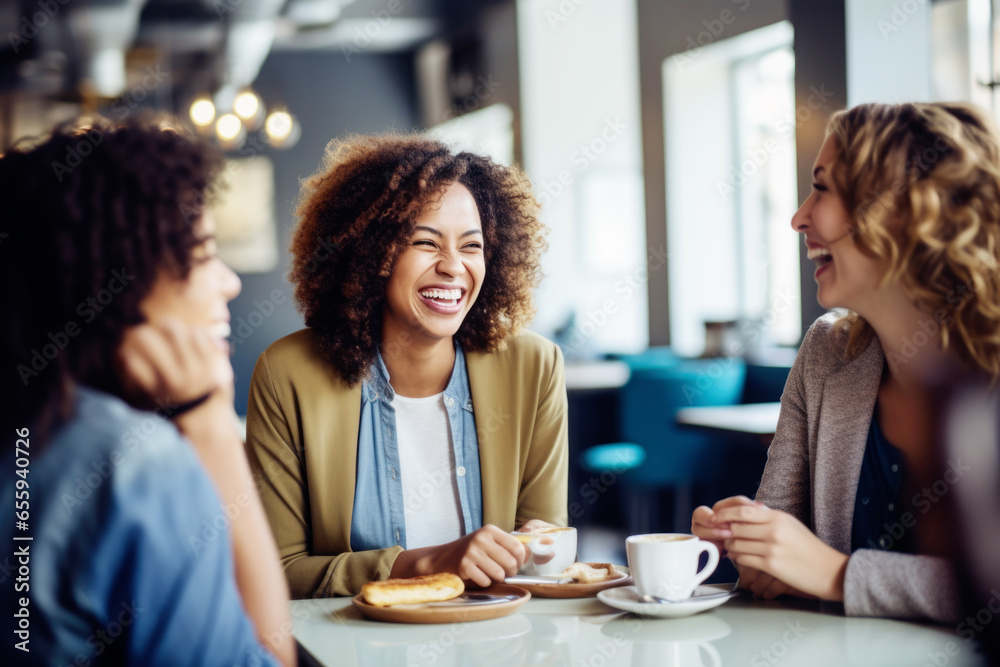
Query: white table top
point(755, 418)
point(587, 633)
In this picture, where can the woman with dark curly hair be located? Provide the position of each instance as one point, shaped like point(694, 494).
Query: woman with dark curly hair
point(413, 424)
point(148, 543)
point(904, 225)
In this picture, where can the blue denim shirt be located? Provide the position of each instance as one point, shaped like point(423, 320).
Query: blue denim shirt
point(378, 520)
point(130, 558)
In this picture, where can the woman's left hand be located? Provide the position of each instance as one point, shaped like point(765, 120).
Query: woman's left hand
point(780, 545)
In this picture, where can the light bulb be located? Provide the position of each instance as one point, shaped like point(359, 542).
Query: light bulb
point(202, 112)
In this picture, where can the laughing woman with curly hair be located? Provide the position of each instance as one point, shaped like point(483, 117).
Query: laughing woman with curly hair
point(413, 424)
point(904, 224)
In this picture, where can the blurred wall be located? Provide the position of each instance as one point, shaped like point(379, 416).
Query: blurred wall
point(330, 97)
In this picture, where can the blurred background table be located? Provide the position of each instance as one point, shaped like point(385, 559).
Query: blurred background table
point(760, 419)
point(595, 375)
point(586, 632)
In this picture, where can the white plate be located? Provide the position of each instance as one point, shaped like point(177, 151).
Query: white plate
point(626, 599)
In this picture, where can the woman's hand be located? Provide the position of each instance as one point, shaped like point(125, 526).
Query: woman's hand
point(172, 363)
point(482, 557)
point(764, 585)
point(777, 544)
point(706, 526)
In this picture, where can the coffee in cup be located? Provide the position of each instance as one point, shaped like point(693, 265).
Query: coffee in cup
point(665, 565)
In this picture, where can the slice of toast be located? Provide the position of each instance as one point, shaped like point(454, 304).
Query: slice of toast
point(426, 588)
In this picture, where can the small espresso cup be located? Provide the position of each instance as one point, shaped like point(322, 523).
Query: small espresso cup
point(553, 549)
point(665, 565)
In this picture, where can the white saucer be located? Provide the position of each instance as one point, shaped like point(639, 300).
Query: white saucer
point(626, 599)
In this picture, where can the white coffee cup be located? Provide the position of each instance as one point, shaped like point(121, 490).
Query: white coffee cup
point(553, 549)
point(665, 565)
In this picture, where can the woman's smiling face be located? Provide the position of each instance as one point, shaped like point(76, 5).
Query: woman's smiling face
point(437, 277)
point(846, 277)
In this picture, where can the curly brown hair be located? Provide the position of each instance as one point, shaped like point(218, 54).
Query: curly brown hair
point(356, 216)
point(922, 183)
point(92, 214)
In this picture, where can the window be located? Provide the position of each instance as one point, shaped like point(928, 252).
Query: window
point(731, 189)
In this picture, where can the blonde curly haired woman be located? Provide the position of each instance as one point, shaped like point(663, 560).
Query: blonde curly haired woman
point(904, 224)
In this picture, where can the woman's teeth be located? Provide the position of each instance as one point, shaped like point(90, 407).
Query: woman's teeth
point(819, 255)
point(447, 295)
point(220, 330)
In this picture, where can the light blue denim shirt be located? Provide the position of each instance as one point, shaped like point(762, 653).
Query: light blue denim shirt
point(378, 520)
point(131, 558)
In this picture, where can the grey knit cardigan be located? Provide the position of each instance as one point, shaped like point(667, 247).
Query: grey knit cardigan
point(812, 472)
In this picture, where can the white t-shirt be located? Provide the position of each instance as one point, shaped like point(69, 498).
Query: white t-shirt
point(432, 509)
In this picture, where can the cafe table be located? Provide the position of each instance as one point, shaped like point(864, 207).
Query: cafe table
point(759, 419)
point(587, 633)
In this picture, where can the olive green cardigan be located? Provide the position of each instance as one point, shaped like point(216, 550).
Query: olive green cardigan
point(302, 436)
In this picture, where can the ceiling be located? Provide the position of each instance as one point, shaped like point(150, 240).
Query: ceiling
point(104, 49)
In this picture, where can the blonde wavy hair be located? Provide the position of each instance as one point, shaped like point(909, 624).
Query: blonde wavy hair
point(922, 184)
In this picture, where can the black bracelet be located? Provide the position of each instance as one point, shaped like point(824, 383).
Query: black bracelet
point(177, 410)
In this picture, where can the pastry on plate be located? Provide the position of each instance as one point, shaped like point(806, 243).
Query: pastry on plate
point(415, 590)
point(584, 573)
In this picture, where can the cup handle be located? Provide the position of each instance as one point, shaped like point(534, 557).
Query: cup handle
point(713, 654)
point(713, 562)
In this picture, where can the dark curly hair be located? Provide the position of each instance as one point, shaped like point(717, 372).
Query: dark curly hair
point(92, 214)
point(356, 215)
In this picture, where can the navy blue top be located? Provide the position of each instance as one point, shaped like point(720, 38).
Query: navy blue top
point(130, 560)
point(880, 521)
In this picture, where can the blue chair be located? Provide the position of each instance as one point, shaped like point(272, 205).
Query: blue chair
point(765, 383)
point(676, 459)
